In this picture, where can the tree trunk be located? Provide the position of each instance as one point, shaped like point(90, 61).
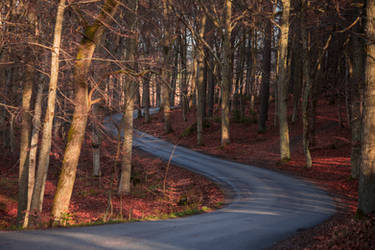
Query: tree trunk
point(32, 19)
point(158, 84)
point(45, 147)
point(33, 150)
point(96, 141)
point(146, 97)
point(174, 78)
point(200, 84)
point(366, 202)
point(357, 82)
point(184, 74)
point(306, 91)
point(227, 76)
point(130, 92)
point(92, 36)
point(126, 167)
point(266, 73)
point(283, 83)
point(210, 87)
point(165, 87)
point(24, 144)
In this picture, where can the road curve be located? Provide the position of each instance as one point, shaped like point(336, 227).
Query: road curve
point(263, 207)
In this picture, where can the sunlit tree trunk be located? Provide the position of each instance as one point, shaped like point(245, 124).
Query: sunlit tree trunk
point(92, 36)
point(227, 75)
point(283, 83)
point(130, 92)
point(45, 146)
point(366, 202)
point(24, 144)
point(29, 75)
point(126, 166)
point(33, 150)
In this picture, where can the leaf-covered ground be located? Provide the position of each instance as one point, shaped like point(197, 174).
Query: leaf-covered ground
point(331, 167)
point(156, 192)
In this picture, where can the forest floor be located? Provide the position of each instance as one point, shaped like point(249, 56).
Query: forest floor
point(95, 200)
point(331, 167)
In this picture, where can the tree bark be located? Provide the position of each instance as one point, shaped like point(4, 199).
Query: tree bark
point(200, 84)
point(184, 76)
point(96, 141)
point(227, 76)
point(45, 147)
point(130, 92)
point(306, 91)
point(33, 150)
point(126, 166)
point(366, 201)
point(174, 77)
point(24, 144)
point(165, 87)
point(283, 83)
point(146, 97)
point(266, 73)
point(92, 36)
point(32, 19)
point(357, 82)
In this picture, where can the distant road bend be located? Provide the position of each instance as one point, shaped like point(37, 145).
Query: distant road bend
point(263, 208)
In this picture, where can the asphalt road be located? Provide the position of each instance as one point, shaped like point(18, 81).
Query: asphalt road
point(263, 207)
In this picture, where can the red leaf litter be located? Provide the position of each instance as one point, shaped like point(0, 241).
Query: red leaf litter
point(331, 167)
point(186, 190)
point(95, 199)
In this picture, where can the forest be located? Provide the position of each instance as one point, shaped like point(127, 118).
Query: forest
point(278, 84)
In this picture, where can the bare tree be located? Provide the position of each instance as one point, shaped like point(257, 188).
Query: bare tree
point(92, 37)
point(283, 82)
point(45, 147)
point(366, 202)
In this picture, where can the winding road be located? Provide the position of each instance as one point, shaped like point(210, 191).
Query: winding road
point(262, 208)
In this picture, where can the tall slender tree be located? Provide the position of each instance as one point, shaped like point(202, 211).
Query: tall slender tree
point(227, 74)
point(266, 69)
point(45, 147)
point(130, 95)
point(91, 38)
point(366, 202)
point(283, 82)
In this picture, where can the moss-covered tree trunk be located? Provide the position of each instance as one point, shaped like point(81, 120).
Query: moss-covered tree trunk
point(92, 37)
